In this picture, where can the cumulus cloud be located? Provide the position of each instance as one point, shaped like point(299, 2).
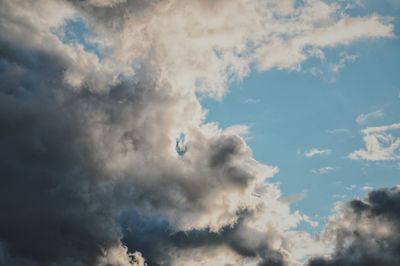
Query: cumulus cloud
point(365, 232)
point(317, 152)
point(90, 141)
point(380, 144)
point(207, 51)
point(364, 118)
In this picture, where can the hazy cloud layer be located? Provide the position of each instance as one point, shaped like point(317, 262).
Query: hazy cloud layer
point(89, 139)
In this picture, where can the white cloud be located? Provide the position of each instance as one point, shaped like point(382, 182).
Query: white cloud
point(339, 196)
point(323, 170)
point(380, 144)
point(105, 3)
point(352, 187)
point(240, 129)
point(330, 70)
point(317, 152)
point(252, 101)
point(201, 51)
point(364, 118)
point(344, 58)
point(367, 188)
point(339, 131)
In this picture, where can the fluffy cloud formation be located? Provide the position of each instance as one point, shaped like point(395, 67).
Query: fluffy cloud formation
point(380, 144)
point(365, 232)
point(90, 141)
point(194, 48)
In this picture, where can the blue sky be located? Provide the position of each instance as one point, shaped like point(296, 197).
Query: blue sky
point(291, 112)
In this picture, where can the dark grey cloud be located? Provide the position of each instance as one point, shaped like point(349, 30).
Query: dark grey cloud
point(54, 199)
point(158, 241)
point(366, 232)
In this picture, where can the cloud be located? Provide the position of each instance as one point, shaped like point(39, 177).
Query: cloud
point(344, 58)
point(106, 3)
point(339, 131)
point(317, 152)
point(90, 136)
point(323, 170)
point(330, 70)
point(365, 232)
point(380, 144)
point(367, 188)
point(241, 130)
point(232, 245)
point(252, 101)
point(206, 53)
point(365, 118)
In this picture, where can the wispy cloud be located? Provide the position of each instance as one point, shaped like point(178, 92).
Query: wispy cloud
point(252, 101)
point(364, 118)
point(323, 170)
point(330, 70)
point(367, 188)
point(339, 131)
point(380, 144)
point(317, 152)
point(344, 59)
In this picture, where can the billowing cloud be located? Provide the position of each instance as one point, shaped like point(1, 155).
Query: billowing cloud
point(380, 144)
point(196, 49)
point(365, 232)
point(90, 141)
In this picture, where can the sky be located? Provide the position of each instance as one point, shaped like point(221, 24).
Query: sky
point(241, 132)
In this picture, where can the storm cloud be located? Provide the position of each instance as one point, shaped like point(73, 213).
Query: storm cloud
point(89, 171)
point(366, 232)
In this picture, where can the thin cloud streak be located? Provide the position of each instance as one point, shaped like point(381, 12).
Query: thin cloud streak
point(317, 152)
point(365, 118)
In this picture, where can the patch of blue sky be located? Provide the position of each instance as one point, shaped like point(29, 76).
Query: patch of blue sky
point(291, 112)
point(77, 31)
